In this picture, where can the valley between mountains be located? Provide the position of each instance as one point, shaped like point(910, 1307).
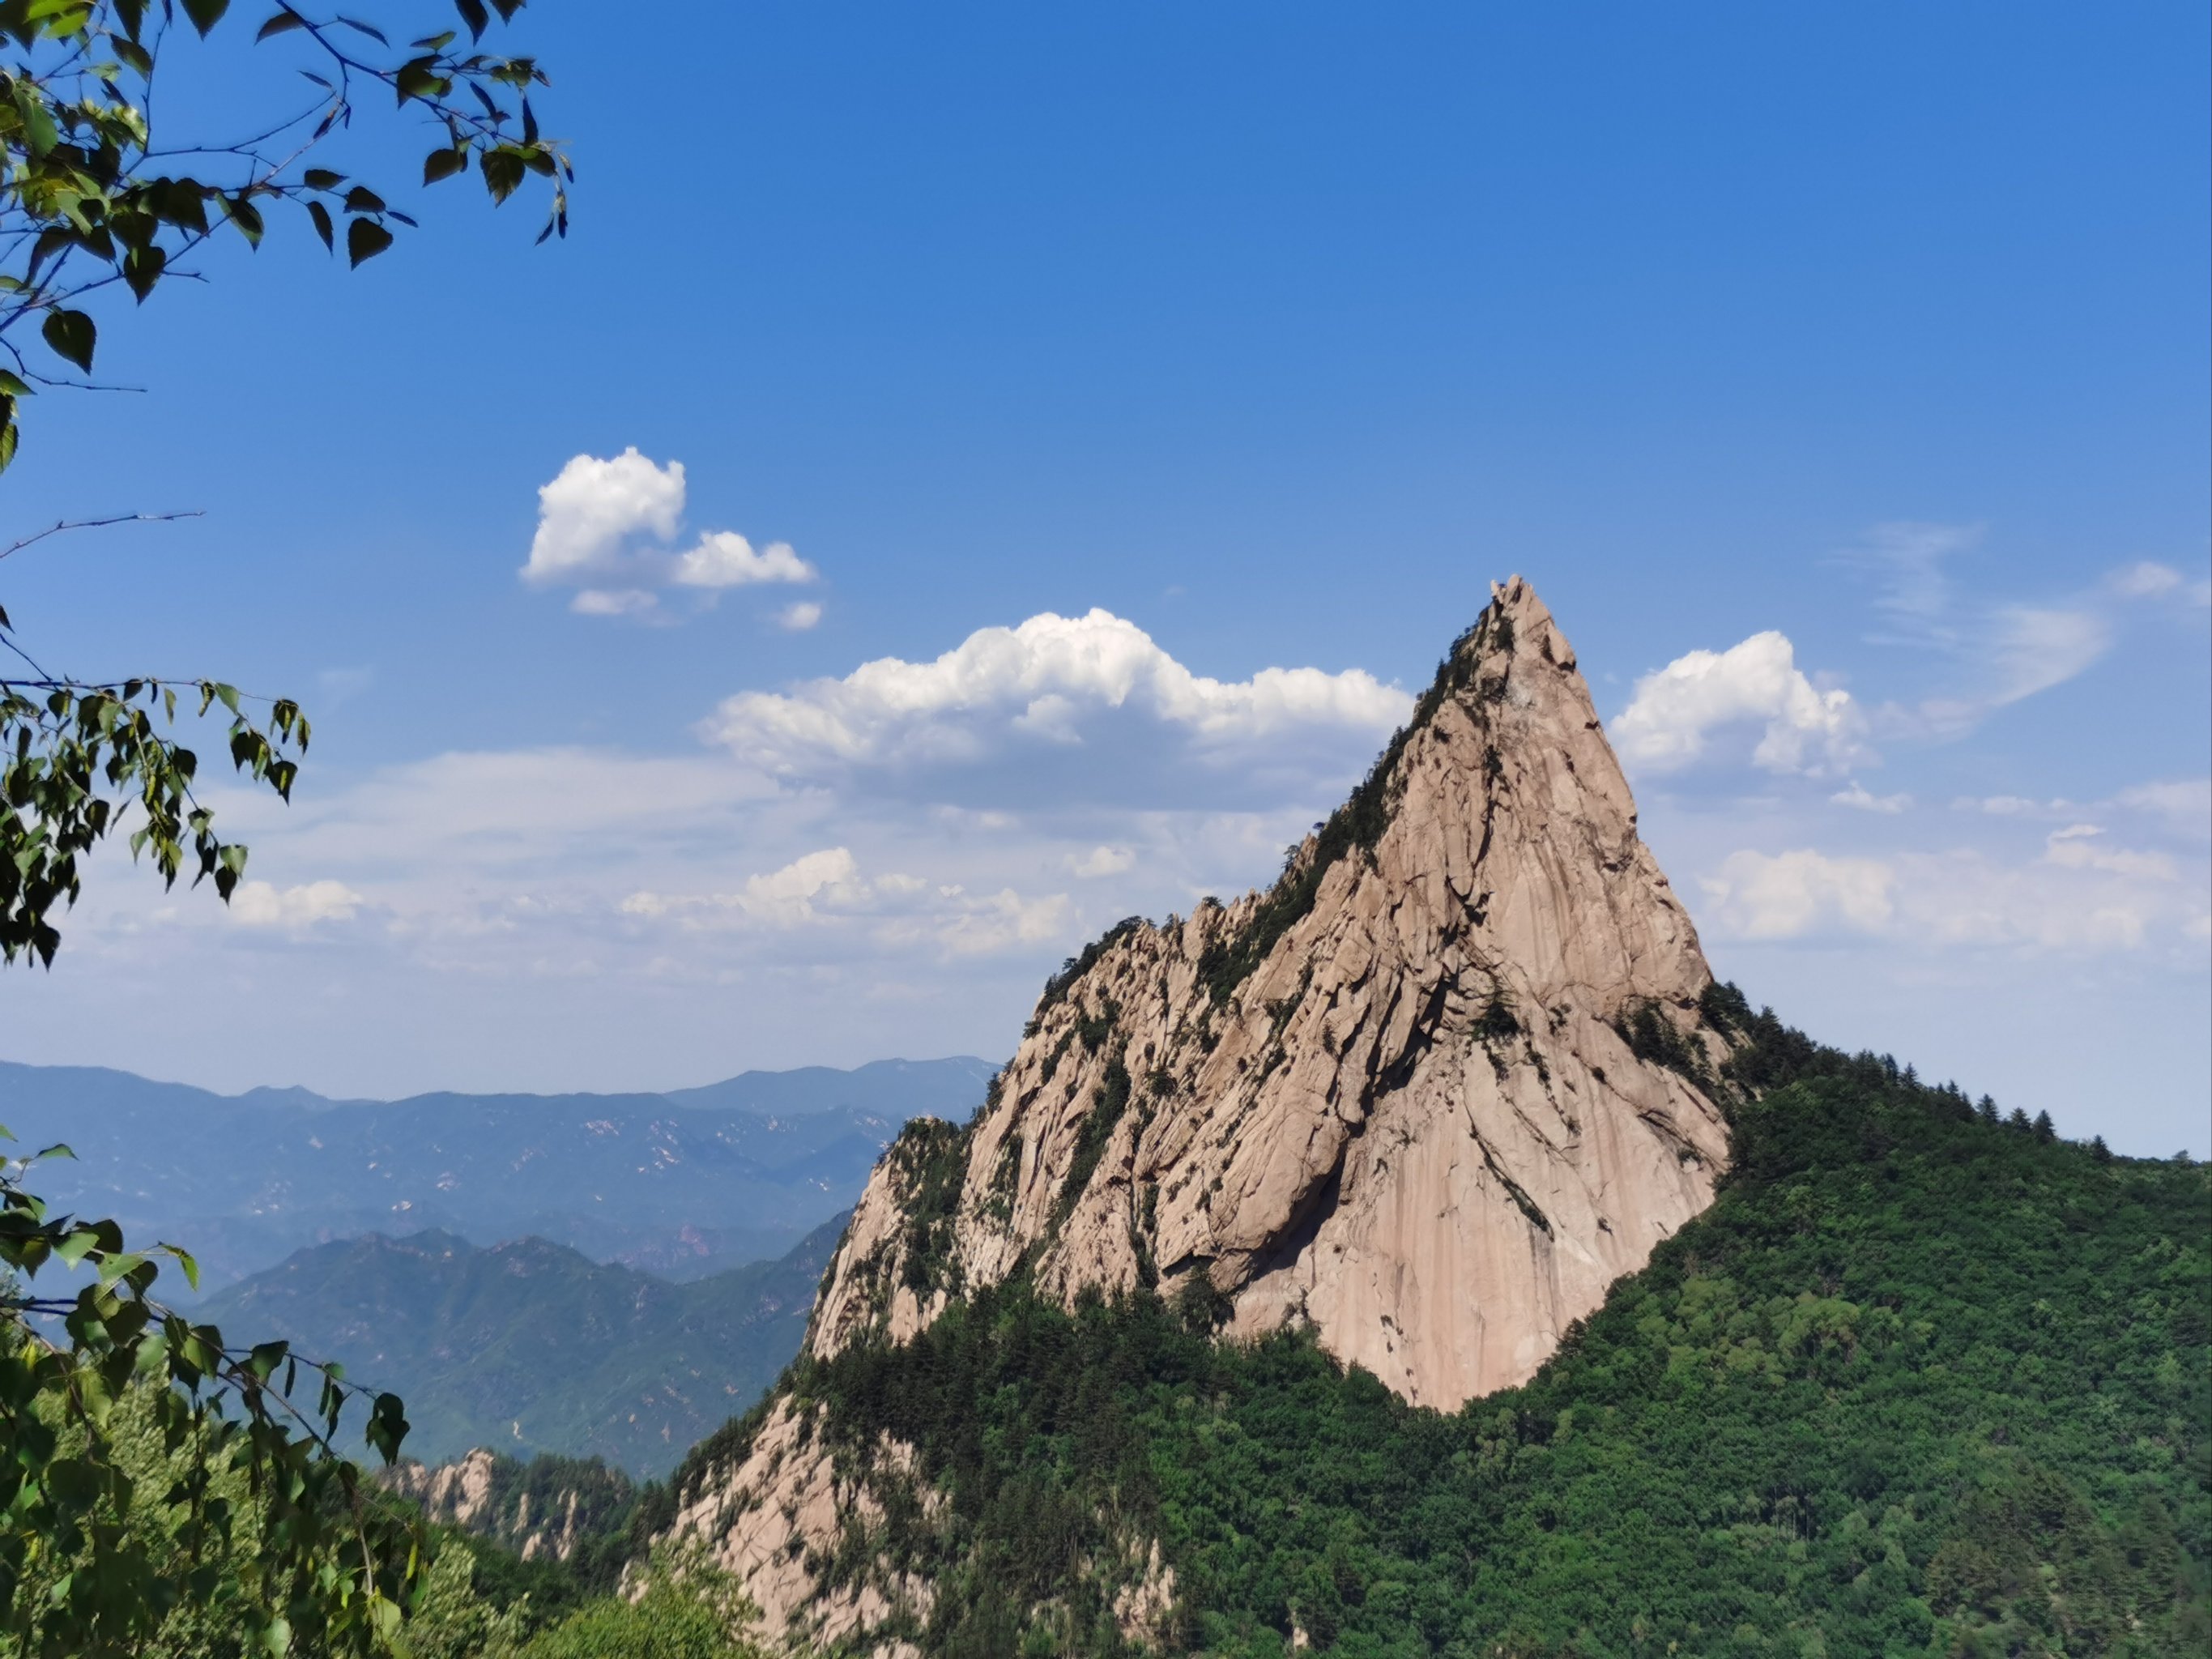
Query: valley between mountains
point(1426, 1255)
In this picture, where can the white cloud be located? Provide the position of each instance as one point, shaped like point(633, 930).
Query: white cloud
point(1003, 920)
point(612, 602)
point(259, 904)
point(725, 559)
point(592, 506)
point(1790, 895)
point(2186, 803)
point(2148, 579)
point(2145, 579)
point(2032, 650)
point(1102, 861)
point(827, 888)
point(2012, 806)
point(801, 891)
point(1907, 558)
point(2000, 654)
point(2078, 897)
point(1040, 680)
point(797, 618)
point(1675, 710)
point(604, 524)
point(1862, 798)
point(2074, 848)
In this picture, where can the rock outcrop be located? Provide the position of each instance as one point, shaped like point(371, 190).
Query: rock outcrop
point(541, 1509)
point(1428, 1097)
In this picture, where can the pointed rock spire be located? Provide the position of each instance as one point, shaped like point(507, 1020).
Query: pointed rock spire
point(1429, 1095)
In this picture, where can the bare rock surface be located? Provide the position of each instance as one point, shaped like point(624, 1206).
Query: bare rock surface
point(1428, 1097)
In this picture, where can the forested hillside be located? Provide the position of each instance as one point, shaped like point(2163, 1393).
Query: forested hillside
point(1921, 1381)
point(529, 1347)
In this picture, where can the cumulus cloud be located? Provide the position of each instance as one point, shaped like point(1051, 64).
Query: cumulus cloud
point(725, 559)
point(797, 618)
point(612, 602)
point(1045, 682)
point(593, 507)
point(1790, 895)
point(2077, 897)
point(259, 904)
point(1676, 710)
point(2075, 848)
point(828, 887)
point(1102, 861)
point(1859, 797)
point(614, 519)
point(2186, 803)
point(802, 892)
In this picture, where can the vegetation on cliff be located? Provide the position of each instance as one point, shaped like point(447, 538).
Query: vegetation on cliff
point(1921, 1381)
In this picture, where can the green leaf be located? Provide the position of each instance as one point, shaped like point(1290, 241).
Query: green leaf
point(281, 23)
point(246, 217)
point(472, 13)
point(39, 132)
point(321, 178)
point(418, 77)
point(321, 216)
point(362, 199)
point(365, 239)
point(205, 14)
point(70, 333)
point(502, 171)
point(444, 163)
point(143, 268)
point(187, 1263)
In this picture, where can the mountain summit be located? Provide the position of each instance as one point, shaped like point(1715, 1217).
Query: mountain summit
point(1428, 1097)
point(1398, 1097)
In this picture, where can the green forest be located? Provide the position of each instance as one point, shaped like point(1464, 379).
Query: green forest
point(1923, 1380)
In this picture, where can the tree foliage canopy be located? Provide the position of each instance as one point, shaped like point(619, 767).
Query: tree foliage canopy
point(165, 1489)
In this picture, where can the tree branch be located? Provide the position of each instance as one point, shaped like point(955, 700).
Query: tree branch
point(99, 524)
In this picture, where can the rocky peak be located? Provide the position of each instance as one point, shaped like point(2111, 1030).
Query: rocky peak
point(1429, 1095)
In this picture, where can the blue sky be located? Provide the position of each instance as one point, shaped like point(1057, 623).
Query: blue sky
point(1275, 333)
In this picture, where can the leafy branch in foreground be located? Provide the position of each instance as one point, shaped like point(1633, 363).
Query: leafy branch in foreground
point(78, 756)
point(261, 1519)
point(92, 195)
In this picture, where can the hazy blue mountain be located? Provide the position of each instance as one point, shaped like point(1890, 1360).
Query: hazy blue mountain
point(935, 1087)
point(681, 1184)
point(529, 1347)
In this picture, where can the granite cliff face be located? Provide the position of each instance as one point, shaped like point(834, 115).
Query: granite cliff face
point(1429, 1097)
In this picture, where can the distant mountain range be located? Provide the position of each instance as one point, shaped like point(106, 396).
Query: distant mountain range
point(681, 1184)
point(529, 1347)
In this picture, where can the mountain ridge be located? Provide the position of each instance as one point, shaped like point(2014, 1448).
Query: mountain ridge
point(1449, 1079)
point(528, 1346)
point(679, 1188)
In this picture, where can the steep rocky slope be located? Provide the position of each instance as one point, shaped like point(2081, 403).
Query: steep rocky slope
point(1429, 1096)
